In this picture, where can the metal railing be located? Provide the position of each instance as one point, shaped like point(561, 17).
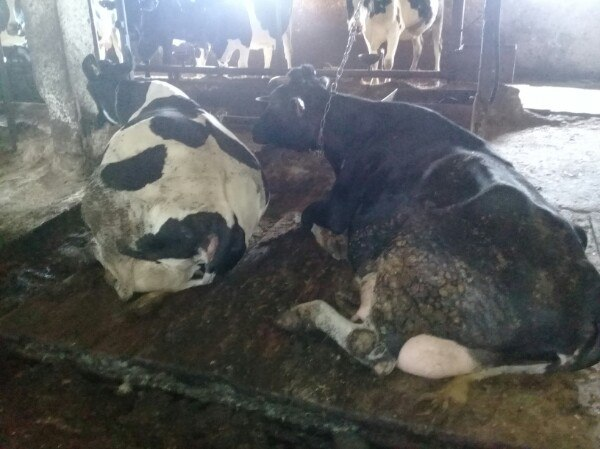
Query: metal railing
point(234, 71)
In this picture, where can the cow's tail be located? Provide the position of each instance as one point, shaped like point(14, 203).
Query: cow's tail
point(585, 356)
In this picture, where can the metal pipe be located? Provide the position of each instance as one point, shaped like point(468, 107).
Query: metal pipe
point(233, 71)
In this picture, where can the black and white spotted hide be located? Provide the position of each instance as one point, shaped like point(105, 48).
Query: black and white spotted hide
point(176, 196)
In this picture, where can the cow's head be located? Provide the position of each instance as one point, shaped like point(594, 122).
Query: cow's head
point(103, 80)
point(294, 111)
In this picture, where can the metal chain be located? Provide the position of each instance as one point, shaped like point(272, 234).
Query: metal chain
point(338, 74)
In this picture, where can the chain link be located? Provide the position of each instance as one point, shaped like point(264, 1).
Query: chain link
point(338, 74)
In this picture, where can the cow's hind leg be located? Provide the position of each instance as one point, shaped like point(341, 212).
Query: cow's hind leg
point(417, 44)
point(287, 46)
point(245, 56)
point(436, 358)
point(268, 56)
point(436, 36)
point(358, 340)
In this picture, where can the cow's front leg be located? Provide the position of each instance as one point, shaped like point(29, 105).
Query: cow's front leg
point(335, 244)
point(329, 233)
point(358, 340)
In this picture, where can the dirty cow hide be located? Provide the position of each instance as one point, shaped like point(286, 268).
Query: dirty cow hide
point(461, 264)
point(176, 197)
point(386, 22)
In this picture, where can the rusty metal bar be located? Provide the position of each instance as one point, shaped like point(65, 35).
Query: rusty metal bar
point(7, 101)
point(233, 71)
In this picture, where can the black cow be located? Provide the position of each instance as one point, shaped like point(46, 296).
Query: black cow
point(462, 265)
point(176, 196)
point(223, 26)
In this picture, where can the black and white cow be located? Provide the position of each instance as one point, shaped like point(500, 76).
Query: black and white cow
point(12, 24)
point(107, 33)
point(223, 26)
point(462, 266)
point(176, 196)
point(13, 20)
point(386, 22)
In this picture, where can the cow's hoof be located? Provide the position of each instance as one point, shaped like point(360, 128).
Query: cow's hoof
point(147, 303)
point(335, 245)
point(290, 320)
point(454, 394)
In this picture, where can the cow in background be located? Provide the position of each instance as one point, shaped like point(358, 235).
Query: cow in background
point(176, 197)
point(462, 266)
point(16, 52)
point(386, 22)
point(14, 24)
point(108, 36)
point(220, 26)
point(107, 33)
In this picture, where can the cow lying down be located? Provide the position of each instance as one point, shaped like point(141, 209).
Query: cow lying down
point(462, 266)
point(177, 195)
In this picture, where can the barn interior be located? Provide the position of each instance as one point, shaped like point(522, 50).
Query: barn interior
point(207, 366)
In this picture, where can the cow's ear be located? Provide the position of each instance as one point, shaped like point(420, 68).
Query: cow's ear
point(299, 106)
point(324, 81)
point(90, 67)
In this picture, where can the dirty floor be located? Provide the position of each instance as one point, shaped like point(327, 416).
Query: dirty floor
point(53, 293)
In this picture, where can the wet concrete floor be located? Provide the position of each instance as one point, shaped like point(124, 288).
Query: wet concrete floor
point(53, 293)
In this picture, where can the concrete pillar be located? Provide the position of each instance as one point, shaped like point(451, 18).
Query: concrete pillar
point(59, 83)
point(78, 42)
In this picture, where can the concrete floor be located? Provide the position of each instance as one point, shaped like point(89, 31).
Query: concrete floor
point(558, 411)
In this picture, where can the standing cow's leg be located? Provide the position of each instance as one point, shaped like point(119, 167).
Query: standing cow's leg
point(115, 39)
point(268, 56)
point(167, 51)
point(417, 44)
point(244, 56)
point(373, 43)
point(287, 46)
point(436, 37)
point(201, 59)
point(393, 38)
point(227, 54)
point(358, 340)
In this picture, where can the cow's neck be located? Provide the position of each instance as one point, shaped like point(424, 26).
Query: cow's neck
point(347, 127)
